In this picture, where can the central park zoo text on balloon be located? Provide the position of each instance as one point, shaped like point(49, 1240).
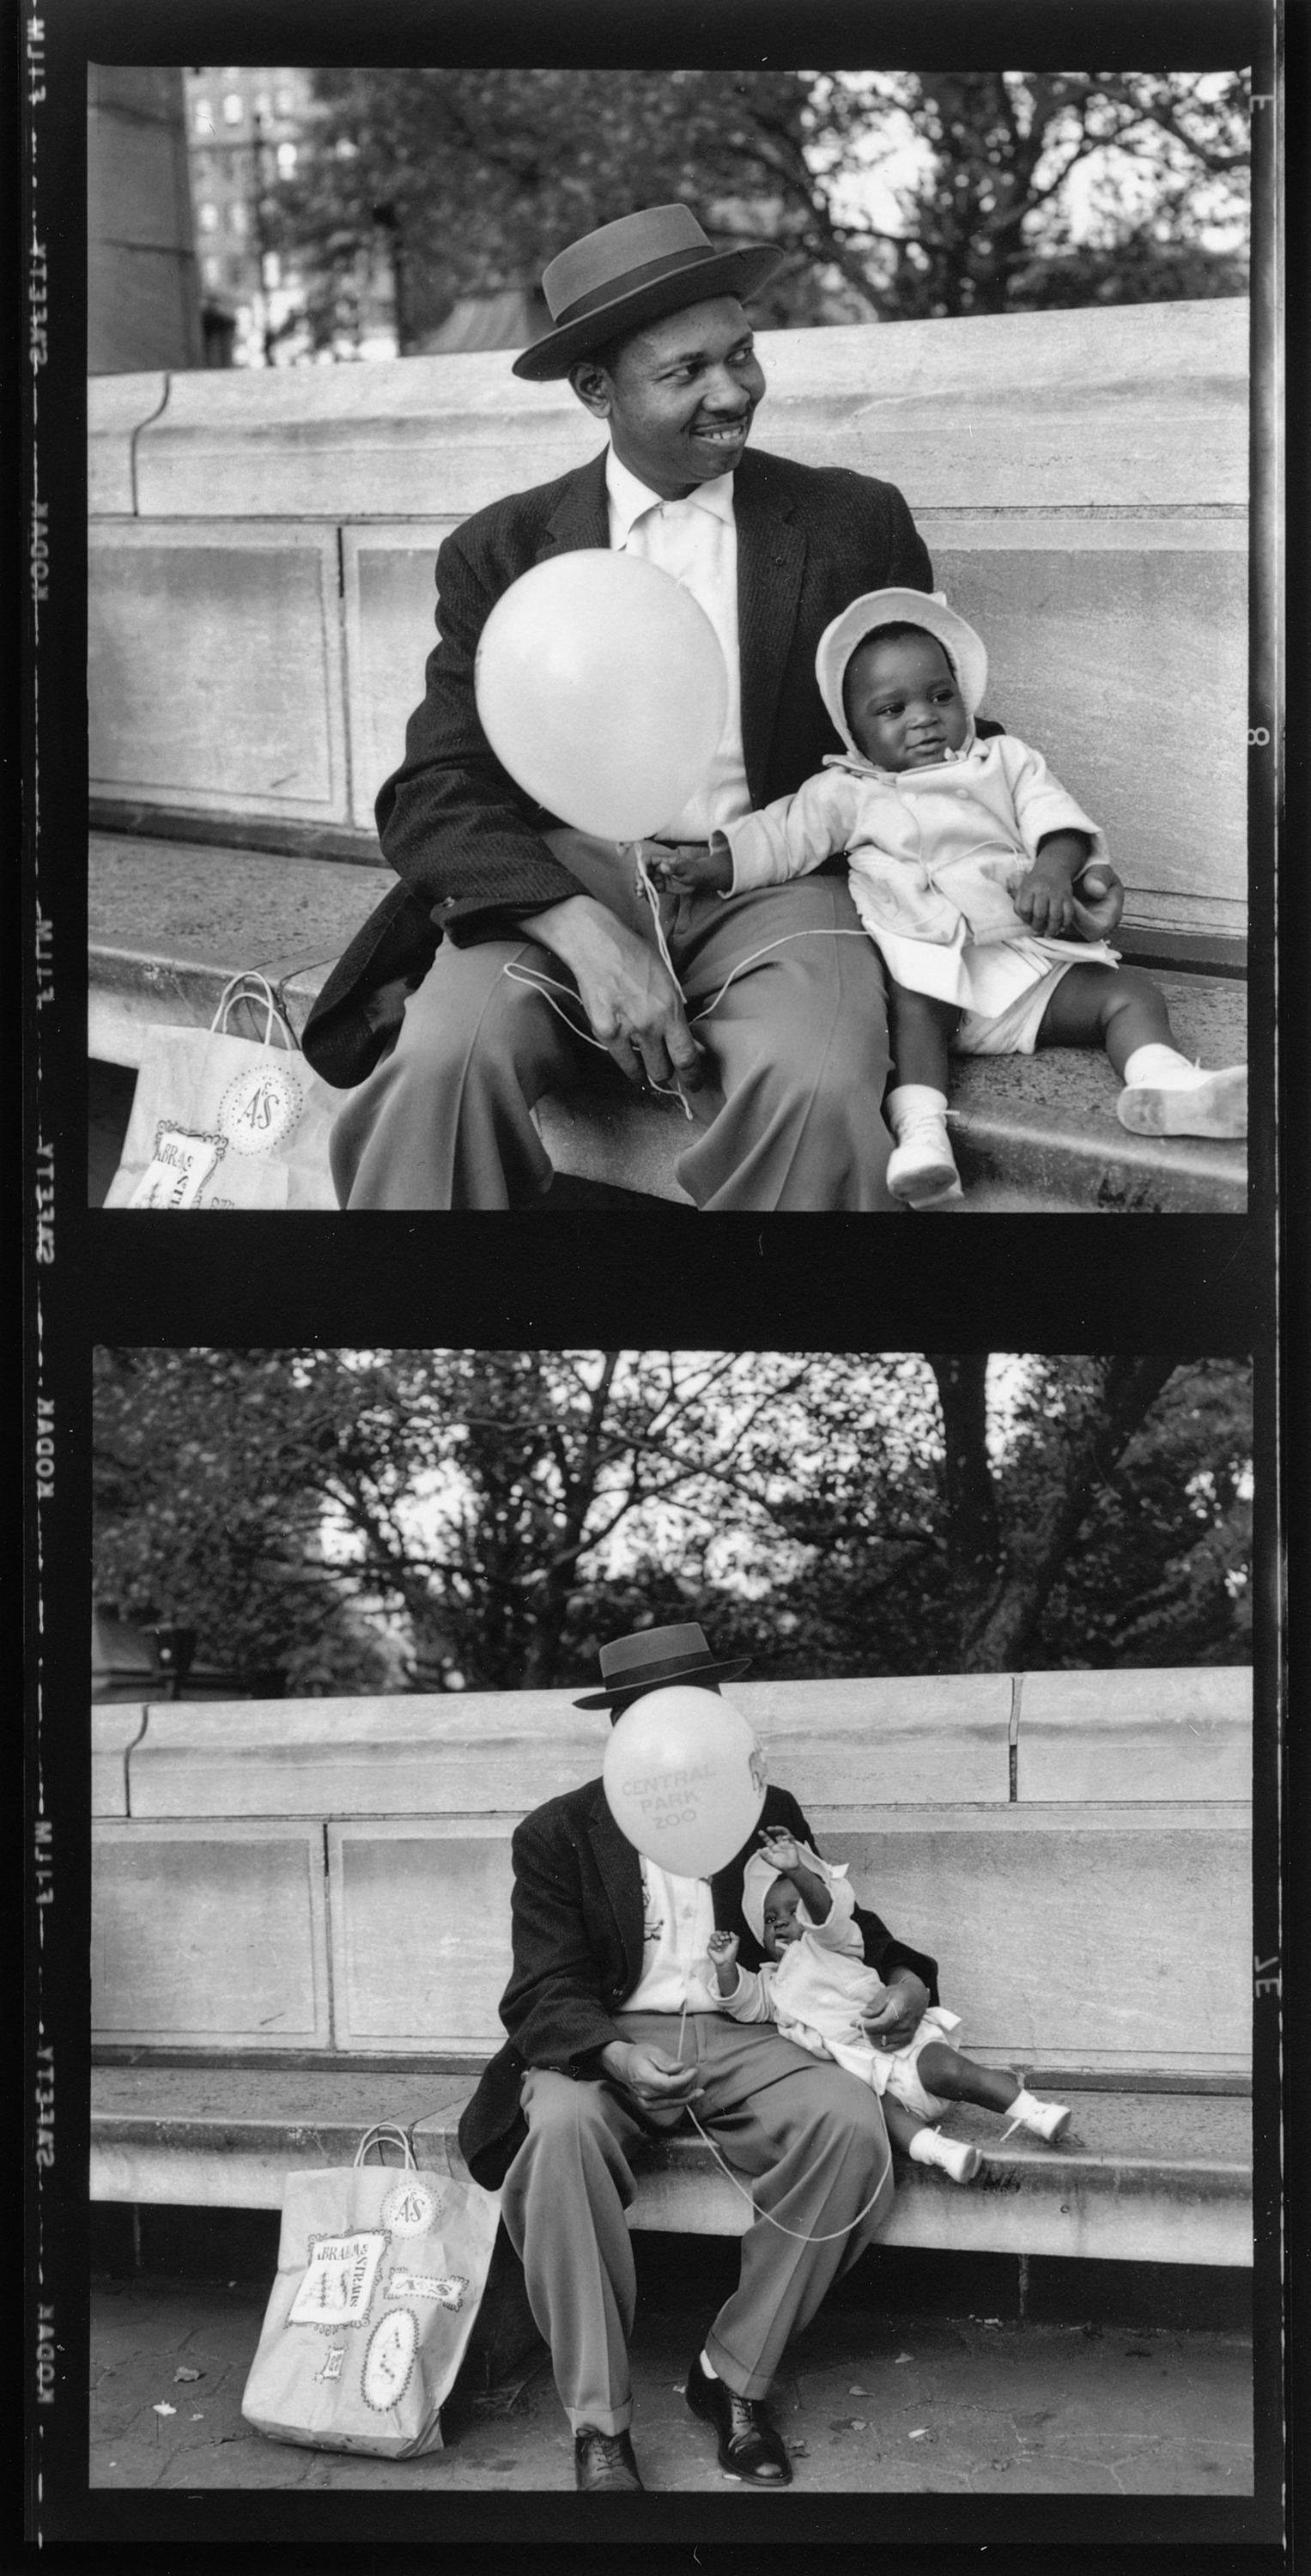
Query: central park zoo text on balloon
point(669, 1797)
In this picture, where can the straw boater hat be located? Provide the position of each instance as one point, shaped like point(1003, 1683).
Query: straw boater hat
point(655, 1659)
point(631, 273)
point(963, 648)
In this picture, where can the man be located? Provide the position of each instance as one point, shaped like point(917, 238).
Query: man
point(603, 2057)
point(787, 1072)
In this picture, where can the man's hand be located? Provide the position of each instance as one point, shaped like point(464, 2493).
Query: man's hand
point(897, 2018)
point(632, 1004)
point(651, 2075)
point(1098, 901)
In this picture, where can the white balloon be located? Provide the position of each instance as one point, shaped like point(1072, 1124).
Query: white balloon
point(602, 689)
point(684, 1779)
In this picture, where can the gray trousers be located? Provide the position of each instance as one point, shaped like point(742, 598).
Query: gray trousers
point(791, 1116)
point(810, 2144)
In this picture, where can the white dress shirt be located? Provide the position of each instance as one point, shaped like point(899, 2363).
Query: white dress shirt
point(678, 1917)
point(695, 540)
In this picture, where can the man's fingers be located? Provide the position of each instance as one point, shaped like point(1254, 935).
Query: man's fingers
point(619, 1041)
point(670, 1054)
point(686, 1056)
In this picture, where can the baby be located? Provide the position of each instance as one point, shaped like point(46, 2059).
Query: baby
point(820, 1990)
point(983, 884)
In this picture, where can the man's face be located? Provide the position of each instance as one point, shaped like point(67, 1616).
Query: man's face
point(903, 705)
point(780, 1917)
point(680, 396)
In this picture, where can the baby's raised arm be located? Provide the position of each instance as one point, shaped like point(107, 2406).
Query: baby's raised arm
point(784, 1854)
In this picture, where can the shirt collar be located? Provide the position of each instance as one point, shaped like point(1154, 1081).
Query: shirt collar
point(630, 500)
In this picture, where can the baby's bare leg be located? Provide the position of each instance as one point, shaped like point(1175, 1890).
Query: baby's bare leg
point(954, 2078)
point(925, 2145)
point(920, 1031)
point(901, 2125)
point(1119, 1008)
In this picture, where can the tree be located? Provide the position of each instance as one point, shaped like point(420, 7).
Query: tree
point(985, 223)
point(480, 176)
point(496, 1514)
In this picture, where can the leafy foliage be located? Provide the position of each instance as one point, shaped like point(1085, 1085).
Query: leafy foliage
point(377, 1520)
point(478, 177)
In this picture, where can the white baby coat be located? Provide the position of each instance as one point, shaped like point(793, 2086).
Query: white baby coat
point(935, 856)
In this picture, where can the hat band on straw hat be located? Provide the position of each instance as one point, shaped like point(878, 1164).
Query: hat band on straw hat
point(631, 1665)
point(649, 274)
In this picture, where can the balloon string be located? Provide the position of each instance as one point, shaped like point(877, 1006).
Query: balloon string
point(538, 982)
point(799, 2233)
point(744, 962)
point(648, 889)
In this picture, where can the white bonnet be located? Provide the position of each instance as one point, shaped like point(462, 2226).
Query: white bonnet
point(759, 1877)
point(964, 649)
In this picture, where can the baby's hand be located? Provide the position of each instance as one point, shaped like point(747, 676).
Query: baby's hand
point(1045, 899)
point(782, 1851)
point(691, 869)
point(723, 1947)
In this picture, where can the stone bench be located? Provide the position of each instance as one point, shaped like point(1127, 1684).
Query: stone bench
point(300, 1919)
point(262, 547)
point(172, 921)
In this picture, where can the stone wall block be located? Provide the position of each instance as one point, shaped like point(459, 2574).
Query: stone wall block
point(215, 676)
point(420, 1934)
point(209, 1935)
point(1166, 1734)
point(1109, 1937)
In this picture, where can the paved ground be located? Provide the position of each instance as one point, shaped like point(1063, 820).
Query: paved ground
point(948, 2405)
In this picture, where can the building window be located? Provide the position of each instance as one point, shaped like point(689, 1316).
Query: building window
point(272, 268)
point(286, 160)
point(284, 102)
point(236, 217)
point(208, 218)
point(233, 110)
point(202, 116)
point(263, 104)
point(212, 271)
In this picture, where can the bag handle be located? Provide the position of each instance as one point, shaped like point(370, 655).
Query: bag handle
point(264, 997)
point(387, 2133)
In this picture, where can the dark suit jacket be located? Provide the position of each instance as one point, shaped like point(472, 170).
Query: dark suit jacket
point(576, 1920)
point(465, 841)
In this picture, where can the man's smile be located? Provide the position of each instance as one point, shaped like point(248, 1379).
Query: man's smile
point(723, 433)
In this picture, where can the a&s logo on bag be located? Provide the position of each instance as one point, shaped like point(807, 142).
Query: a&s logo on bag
point(260, 1108)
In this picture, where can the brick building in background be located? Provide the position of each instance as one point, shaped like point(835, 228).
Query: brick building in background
point(245, 130)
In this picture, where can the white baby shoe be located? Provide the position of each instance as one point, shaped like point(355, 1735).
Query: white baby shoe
point(1165, 1095)
point(1048, 2120)
point(952, 2155)
point(921, 1168)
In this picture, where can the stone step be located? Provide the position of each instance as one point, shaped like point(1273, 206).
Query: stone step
point(1144, 2177)
point(171, 921)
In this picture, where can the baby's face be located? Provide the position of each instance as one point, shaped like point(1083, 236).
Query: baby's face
point(780, 1913)
point(903, 705)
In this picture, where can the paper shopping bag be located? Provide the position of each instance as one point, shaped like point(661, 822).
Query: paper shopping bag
point(226, 1122)
point(380, 2273)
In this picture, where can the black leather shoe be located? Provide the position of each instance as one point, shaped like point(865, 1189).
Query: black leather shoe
point(603, 2462)
point(749, 2447)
